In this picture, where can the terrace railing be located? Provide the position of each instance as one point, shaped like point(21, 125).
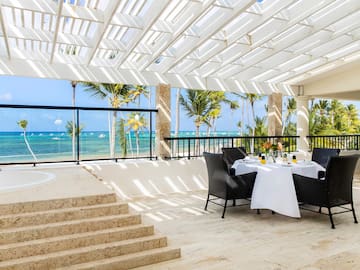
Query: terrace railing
point(51, 142)
point(343, 142)
point(189, 147)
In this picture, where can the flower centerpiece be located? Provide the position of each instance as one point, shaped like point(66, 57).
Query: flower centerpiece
point(272, 149)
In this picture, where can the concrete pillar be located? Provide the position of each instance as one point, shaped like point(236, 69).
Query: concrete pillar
point(163, 120)
point(302, 127)
point(275, 114)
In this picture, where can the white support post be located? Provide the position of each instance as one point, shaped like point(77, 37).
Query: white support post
point(302, 129)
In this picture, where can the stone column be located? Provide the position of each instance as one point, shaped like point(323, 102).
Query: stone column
point(163, 120)
point(275, 114)
point(302, 127)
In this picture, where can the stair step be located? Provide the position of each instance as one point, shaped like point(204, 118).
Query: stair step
point(84, 254)
point(21, 234)
point(54, 244)
point(58, 215)
point(130, 261)
point(44, 205)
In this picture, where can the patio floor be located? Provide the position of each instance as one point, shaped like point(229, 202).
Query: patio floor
point(243, 240)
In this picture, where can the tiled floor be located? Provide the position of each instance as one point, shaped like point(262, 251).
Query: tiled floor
point(243, 240)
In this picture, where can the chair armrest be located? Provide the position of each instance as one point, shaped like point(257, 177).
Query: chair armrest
point(321, 174)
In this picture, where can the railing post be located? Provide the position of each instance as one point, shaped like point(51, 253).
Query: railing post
point(150, 127)
point(77, 137)
point(189, 148)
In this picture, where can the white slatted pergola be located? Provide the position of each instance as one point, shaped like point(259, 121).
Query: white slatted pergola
point(234, 45)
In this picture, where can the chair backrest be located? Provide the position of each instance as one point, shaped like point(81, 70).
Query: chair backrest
point(233, 153)
point(322, 155)
point(214, 162)
point(339, 177)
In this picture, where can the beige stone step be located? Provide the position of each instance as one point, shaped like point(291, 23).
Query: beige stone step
point(14, 235)
point(130, 261)
point(58, 215)
point(24, 207)
point(54, 244)
point(84, 254)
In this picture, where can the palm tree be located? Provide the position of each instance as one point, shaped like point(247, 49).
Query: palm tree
point(177, 116)
point(136, 122)
point(197, 105)
point(260, 126)
point(23, 124)
point(290, 110)
point(217, 98)
point(73, 85)
point(70, 127)
point(252, 98)
point(138, 91)
point(117, 95)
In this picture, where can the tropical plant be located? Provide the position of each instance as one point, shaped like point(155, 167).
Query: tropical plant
point(290, 110)
point(260, 126)
point(122, 137)
point(139, 91)
point(136, 122)
point(177, 116)
point(217, 98)
point(197, 105)
point(70, 127)
point(117, 95)
point(23, 124)
point(251, 99)
point(73, 85)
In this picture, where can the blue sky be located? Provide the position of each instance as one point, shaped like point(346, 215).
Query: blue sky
point(32, 91)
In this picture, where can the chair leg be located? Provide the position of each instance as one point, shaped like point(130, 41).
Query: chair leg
point(331, 219)
point(223, 214)
point(320, 209)
point(207, 201)
point(234, 202)
point(353, 211)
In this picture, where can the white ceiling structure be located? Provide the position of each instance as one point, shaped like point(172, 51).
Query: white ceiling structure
point(234, 45)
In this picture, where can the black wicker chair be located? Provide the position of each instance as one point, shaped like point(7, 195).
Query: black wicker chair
point(230, 154)
point(334, 191)
point(225, 186)
point(322, 156)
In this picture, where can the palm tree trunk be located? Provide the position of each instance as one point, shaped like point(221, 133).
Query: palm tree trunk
point(28, 146)
point(197, 134)
point(113, 135)
point(177, 116)
point(137, 143)
point(253, 131)
point(73, 121)
point(242, 116)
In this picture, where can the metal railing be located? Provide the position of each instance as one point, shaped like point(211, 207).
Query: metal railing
point(56, 145)
point(343, 142)
point(189, 147)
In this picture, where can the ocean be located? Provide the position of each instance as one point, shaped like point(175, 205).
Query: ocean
point(57, 146)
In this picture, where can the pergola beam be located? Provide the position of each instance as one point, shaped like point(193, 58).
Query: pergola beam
point(102, 29)
point(57, 26)
point(232, 14)
point(4, 32)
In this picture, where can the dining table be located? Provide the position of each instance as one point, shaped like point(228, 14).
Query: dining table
point(274, 186)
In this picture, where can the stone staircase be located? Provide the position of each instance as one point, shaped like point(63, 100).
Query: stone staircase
point(92, 232)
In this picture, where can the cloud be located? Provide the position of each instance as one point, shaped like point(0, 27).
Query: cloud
point(58, 122)
point(6, 97)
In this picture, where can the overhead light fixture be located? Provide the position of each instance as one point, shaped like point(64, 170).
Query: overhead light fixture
point(158, 60)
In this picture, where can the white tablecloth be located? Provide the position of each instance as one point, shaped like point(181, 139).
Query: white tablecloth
point(274, 186)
